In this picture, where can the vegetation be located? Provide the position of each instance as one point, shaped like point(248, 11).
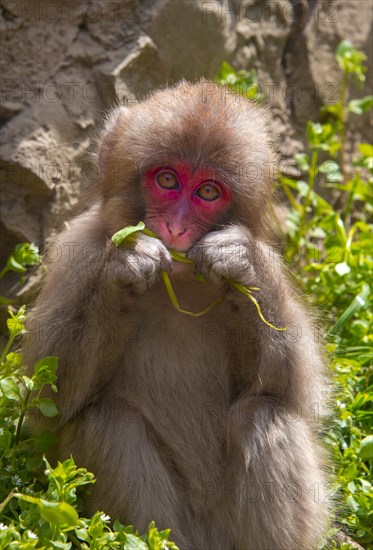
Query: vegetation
point(328, 245)
point(40, 505)
point(333, 264)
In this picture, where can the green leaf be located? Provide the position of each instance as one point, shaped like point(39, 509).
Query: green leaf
point(29, 384)
point(366, 487)
point(241, 82)
point(358, 303)
point(26, 254)
point(365, 451)
point(366, 149)
point(352, 503)
point(45, 371)
point(360, 106)
point(344, 49)
point(134, 543)
point(313, 132)
point(15, 326)
point(322, 137)
point(331, 169)
point(351, 471)
point(10, 389)
point(334, 110)
point(225, 71)
point(46, 406)
point(13, 265)
point(5, 439)
point(13, 361)
point(123, 234)
point(351, 60)
point(96, 527)
point(56, 513)
point(303, 161)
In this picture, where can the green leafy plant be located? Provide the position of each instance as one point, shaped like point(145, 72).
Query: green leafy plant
point(329, 248)
point(39, 505)
point(23, 256)
point(333, 264)
point(242, 82)
point(350, 62)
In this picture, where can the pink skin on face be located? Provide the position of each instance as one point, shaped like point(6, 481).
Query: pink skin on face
point(182, 205)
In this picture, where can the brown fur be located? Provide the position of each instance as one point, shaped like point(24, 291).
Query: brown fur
point(203, 424)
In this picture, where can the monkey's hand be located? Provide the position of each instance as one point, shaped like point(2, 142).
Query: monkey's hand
point(225, 254)
point(138, 263)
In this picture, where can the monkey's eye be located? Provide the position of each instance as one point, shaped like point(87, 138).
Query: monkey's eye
point(167, 180)
point(208, 191)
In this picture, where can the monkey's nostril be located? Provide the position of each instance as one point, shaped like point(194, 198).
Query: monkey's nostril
point(175, 232)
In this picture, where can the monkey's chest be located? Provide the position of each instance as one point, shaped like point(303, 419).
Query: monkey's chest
point(177, 374)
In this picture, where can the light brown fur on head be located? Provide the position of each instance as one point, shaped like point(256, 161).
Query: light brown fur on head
point(200, 125)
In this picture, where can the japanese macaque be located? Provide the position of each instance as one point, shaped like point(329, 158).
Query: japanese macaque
point(207, 425)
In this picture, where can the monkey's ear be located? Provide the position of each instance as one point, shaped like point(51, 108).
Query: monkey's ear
point(108, 136)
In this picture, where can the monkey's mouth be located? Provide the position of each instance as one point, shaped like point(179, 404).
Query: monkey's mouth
point(181, 242)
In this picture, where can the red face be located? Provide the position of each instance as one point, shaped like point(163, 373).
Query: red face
point(181, 205)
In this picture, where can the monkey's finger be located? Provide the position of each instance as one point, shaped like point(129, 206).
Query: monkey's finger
point(202, 268)
point(218, 272)
point(151, 274)
point(166, 260)
point(199, 255)
point(156, 250)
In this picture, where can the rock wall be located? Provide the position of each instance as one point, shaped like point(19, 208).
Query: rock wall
point(65, 62)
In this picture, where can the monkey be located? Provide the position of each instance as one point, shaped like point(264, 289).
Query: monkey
point(204, 424)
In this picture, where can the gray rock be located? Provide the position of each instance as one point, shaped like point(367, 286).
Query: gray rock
point(65, 63)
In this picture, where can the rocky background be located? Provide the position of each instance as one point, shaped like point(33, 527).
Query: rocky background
point(65, 62)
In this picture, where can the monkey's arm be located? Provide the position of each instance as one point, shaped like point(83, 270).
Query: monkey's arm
point(287, 364)
point(85, 312)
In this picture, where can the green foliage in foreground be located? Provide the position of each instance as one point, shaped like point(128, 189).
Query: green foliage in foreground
point(333, 263)
point(40, 506)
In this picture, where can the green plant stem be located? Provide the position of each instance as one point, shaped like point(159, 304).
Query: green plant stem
point(342, 119)
point(349, 242)
point(76, 542)
point(5, 501)
point(6, 348)
point(347, 208)
point(4, 271)
point(311, 182)
point(176, 304)
point(22, 416)
point(127, 234)
point(289, 194)
point(248, 292)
